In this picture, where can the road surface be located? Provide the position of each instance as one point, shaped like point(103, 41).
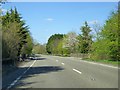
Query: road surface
point(62, 72)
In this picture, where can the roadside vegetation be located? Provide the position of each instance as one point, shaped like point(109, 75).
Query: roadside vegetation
point(16, 39)
point(39, 48)
point(97, 43)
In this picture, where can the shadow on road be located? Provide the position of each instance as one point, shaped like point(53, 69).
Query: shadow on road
point(38, 58)
point(27, 84)
point(33, 72)
point(43, 69)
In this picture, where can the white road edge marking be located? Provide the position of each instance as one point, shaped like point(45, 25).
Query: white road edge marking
point(15, 81)
point(62, 63)
point(105, 65)
point(101, 64)
point(77, 71)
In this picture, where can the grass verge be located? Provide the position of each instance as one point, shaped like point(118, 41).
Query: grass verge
point(109, 62)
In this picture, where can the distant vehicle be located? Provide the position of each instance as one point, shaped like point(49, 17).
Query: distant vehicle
point(32, 57)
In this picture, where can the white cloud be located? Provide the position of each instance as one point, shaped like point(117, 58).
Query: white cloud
point(49, 19)
point(93, 22)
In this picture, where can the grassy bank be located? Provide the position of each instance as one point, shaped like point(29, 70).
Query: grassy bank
point(109, 62)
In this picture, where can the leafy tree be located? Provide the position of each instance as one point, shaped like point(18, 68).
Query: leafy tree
point(10, 41)
point(107, 46)
point(110, 33)
point(85, 39)
point(53, 43)
point(27, 48)
point(70, 42)
point(16, 36)
point(39, 49)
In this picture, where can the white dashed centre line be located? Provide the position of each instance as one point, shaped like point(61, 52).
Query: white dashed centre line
point(77, 71)
point(15, 81)
point(62, 63)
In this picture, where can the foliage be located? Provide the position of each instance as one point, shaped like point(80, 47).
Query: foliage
point(39, 49)
point(16, 39)
point(85, 39)
point(96, 29)
point(54, 44)
point(70, 42)
point(107, 46)
point(103, 46)
point(27, 48)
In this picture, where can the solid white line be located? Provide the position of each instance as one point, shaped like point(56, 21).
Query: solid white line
point(77, 71)
point(15, 81)
point(62, 63)
point(95, 63)
point(101, 64)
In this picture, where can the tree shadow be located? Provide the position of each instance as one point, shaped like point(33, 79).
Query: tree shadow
point(33, 72)
point(38, 58)
point(43, 70)
point(24, 84)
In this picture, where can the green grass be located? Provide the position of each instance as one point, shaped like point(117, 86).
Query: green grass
point(109, 62)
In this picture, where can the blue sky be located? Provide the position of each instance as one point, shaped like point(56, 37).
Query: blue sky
point(46, 19)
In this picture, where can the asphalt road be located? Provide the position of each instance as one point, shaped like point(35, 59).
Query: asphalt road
point(62, 72)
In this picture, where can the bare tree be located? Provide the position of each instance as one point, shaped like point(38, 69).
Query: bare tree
point(96, 28)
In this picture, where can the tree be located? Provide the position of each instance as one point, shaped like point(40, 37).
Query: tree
point(85, 39)
point(110, 33)
point(53, 43)
point(10, 41)
point(27, 48)
point(107, 46)
point(70, 42)
point(16, 36)
point(39, 48)
point(96, 29)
